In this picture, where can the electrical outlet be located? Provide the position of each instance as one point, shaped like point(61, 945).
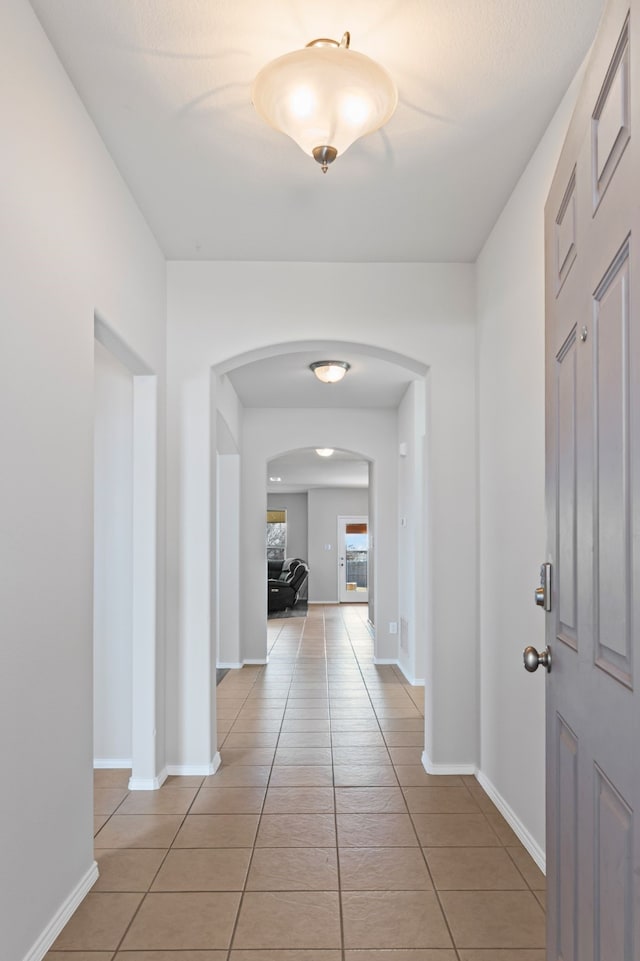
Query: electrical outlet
point(393, 627)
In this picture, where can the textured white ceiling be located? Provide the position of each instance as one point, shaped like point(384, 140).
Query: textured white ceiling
point(303, 470)
point(285, 380)
point(167, 83)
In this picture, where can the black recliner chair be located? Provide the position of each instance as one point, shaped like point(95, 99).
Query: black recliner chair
point(284, 591)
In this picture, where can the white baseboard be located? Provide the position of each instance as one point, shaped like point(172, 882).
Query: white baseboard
point(532, 846)
point(236, 665)
point(62, 915)
point(432, 768)
point(148, 783)
point(107, 763)
point(394, 662)
point(413, 681)
point(195, 770)
point(334, 602)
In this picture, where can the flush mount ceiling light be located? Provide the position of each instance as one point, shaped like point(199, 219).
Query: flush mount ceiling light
point(325, 97)
point(324, 451)
point(329, 371)
point(275, 480)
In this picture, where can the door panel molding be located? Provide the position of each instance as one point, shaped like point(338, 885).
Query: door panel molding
point(566, 842)
point(566, 492)
point(611, 121)
point(612, 575)
point(566, 241)
point(613, 876)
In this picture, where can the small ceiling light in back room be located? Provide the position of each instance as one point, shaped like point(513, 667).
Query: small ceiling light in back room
point(329, 371)
point(325, 97)
point(324, 451)
point(275, 480)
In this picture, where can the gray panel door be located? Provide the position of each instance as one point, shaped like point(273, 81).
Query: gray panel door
point(592, 236)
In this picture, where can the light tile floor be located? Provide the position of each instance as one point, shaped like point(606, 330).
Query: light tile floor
point(321, 838)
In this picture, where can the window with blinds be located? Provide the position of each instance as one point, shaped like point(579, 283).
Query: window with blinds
point(276, 535)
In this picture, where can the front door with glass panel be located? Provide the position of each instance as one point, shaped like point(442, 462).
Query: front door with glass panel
point(353, 560)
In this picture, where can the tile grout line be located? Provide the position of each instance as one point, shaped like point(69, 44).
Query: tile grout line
point(264, 801)
point(343, 946)
point(166, 854)
point(148, 891)
point(420, 848)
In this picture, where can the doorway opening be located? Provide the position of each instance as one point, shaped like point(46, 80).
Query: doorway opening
point(353, 560)
point(125, 534)
point(310, 497)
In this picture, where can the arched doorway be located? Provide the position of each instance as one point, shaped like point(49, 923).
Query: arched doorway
point(262, 394)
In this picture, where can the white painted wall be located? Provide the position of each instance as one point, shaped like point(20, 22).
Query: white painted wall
point(412, 532)
point(113, 558)
point(297, 519)
point(225, 523)
point(72, 241)
point(510, 278)
point(325, 506)
point(228, 562)
point(372, 552)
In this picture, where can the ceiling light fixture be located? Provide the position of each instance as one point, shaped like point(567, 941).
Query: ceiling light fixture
point(330, 371)
point(275, 480)
point(324, 451)
point(325, 97)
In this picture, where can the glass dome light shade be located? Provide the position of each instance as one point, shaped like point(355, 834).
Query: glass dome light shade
point(330, 371)
point(324, 96)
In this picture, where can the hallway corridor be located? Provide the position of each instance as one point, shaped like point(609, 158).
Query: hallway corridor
point(321, 838)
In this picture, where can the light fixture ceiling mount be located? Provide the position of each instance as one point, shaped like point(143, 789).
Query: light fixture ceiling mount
point(325, 451)
point(325, 97)
point(330, 371)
